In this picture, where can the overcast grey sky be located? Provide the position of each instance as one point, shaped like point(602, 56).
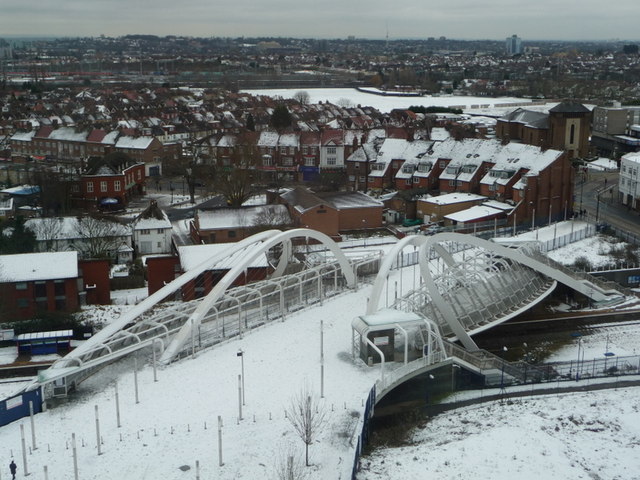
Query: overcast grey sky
point(474, 19)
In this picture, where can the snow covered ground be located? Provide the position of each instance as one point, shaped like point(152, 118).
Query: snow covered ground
point(175, 422)
point(338, 96)
point(193, 392)
point(569, 436)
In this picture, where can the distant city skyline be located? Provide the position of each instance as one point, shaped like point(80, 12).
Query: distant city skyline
point(460, 19)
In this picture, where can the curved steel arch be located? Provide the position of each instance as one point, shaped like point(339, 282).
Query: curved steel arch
point(385, 268)
point(152, 300)
point(582, 286)
point(218, 290)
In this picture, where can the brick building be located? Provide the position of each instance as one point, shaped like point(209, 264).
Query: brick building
point(566, 127)
point(110, 182)
point(38, 282)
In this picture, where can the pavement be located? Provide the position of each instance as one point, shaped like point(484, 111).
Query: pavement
point(598, 195)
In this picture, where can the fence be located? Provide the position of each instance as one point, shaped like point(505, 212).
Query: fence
point(567, 376)
point(244, 308)
point(363, 438)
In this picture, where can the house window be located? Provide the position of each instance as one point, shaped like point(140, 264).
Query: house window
point(75, 188)
point(310, 161)
point(232, 234)
point(442, 164)
point(452, 183)
point(139, 174)
point(159, 245)
point(287, 161)
point(331, 161)
point(331, 150)
point(103, 186)
point(352, 178)
point(61, 303)
point(21, 286)
point(89, 187)
point(361, 179)
point(40, 289)
point(116, 185)
point(59, 287)
point(416, 179)
point(160, 231)
point(407, 181)
point(23, 302)
point(145, 232)
point(267, 161)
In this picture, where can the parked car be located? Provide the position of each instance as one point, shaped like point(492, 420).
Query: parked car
point(433, 229)
point(411, 222)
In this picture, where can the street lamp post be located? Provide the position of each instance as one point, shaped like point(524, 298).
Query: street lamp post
point(241, 355)
point(504, 349)
point(364, 231)
point(577, 335)
point(454, 367)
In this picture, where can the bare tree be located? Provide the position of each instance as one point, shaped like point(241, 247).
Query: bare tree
point(302, 96)
point(344, 103)
point(236, 182)
point(272, 216)
point(288, 466)
point(100, 236)
point(48, 230)
point(307, 416)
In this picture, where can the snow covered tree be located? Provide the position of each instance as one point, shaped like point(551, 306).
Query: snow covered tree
point(307, 416)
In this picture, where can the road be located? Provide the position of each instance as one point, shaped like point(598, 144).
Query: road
point(604, 208)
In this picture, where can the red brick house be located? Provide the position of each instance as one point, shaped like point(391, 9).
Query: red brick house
point(38, 282)
point(110, 182)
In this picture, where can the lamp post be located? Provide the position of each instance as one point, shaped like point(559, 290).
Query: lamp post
point(364, 230)
point(429, 379)
point(241, 355)
point(453, 380)
point(533, 217)
point(597, 205)
point(504, 349)
point(578, 336)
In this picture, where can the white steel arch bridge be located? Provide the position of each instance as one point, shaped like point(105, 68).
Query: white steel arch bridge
point(468, 285)
point(179, 328)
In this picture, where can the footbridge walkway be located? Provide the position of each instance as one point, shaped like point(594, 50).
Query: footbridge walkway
point(466, 285)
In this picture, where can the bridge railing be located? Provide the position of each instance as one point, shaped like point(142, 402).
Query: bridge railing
point(603, 284)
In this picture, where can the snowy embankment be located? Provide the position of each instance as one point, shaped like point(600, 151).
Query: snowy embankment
point(166, 430)
point(556, 437)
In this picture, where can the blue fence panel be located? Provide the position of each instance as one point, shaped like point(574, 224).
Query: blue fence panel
point(17, 407)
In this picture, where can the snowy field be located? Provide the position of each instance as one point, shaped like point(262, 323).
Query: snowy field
point(193, 392)
point(590, 436)
point(340, 96)
point(557, 437)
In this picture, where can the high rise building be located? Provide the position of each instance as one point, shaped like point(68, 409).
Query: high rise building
point(514, 45)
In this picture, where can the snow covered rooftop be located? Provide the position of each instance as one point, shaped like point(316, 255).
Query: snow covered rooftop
point(29, 267)
point(241, 217)
point(137, 143)
point(193, 255)
point(477, 212)
point(451, 198)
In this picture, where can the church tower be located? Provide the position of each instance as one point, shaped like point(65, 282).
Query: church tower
point(570, 128)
